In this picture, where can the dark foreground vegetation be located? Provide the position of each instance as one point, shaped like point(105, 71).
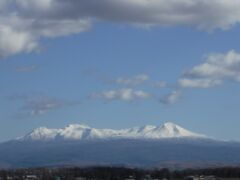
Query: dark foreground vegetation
point(117, 173)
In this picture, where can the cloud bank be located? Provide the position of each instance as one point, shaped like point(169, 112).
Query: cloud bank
point(24, 22)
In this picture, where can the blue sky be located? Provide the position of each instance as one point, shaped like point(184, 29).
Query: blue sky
point(116, 74)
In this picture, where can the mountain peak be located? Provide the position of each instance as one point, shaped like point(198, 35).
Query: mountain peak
point(84, 132)
point(76, 126)
point(169, 124)
point(170, 129)
point(147, 128)
point(42, 133)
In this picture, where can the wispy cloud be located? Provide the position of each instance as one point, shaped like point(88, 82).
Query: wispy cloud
point(122, 95)
point(27, 68)
point(24, 22)
point(132, 81)
point(160, 84)
point(42, 105)
point(39, 105)
point(214, 71)
point(171, 98)
point(198, 83)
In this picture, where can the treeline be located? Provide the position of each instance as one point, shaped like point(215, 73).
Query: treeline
point(118, 173)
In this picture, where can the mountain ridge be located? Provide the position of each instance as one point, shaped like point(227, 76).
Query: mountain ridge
point(84, 132)
point(168, 145)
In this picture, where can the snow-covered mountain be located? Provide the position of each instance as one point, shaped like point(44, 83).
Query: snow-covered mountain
point(83, 132)
point(168, 145)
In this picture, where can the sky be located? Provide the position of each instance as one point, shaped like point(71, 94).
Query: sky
point(120, 64)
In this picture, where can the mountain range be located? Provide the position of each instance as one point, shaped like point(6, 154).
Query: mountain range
point(83, 132)
point(168, 145)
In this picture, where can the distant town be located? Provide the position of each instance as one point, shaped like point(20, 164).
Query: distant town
point(120, 173)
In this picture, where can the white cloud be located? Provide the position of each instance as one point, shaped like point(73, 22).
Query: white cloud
point(160, 84)
point(199, 83)
point(171, 98)
point(136, 80)
point(214, 71)
point(122, 94)
point(21, 30)
point(24, 22)
point(14, 40)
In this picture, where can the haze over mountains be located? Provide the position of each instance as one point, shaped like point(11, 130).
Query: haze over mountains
point(168, 145)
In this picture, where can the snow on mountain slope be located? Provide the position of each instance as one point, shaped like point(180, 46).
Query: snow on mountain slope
point(83, 132)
